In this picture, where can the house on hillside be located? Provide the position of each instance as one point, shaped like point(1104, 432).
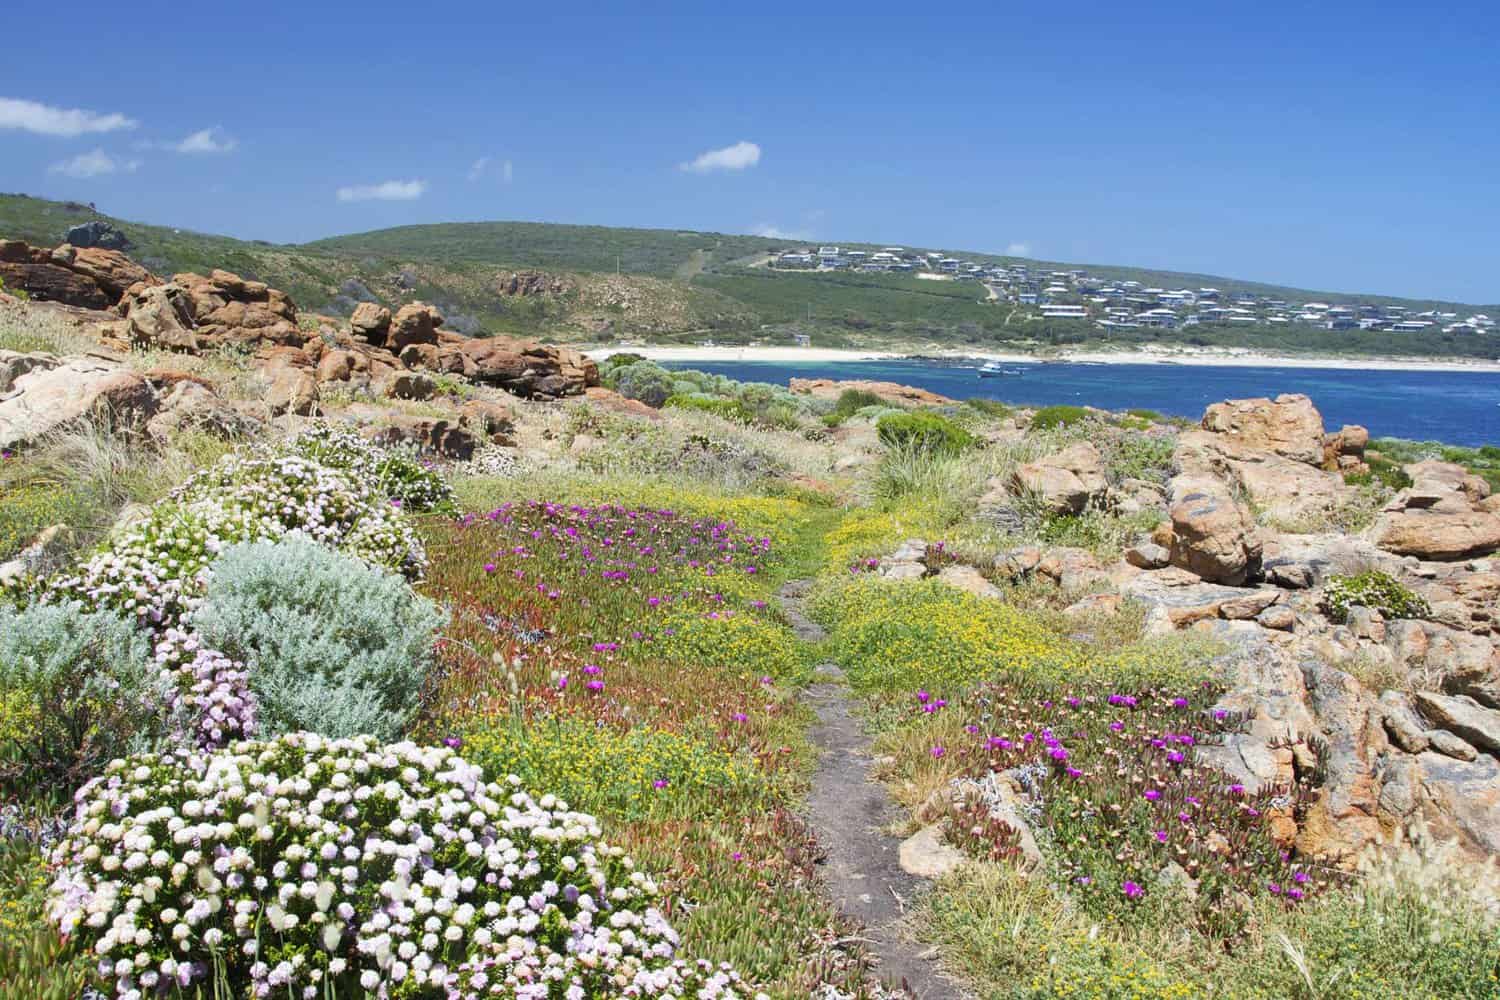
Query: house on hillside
point(1059, 311)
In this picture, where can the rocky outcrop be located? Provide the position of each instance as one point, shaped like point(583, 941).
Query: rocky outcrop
point(89, 278)
point(891, 392)
point(1288, 426)
point(1066, 482)
point(97, 233)
point(1212, 534)
point(1443, 515)
point(529, 283)
point(523, 367)
point(52, 397)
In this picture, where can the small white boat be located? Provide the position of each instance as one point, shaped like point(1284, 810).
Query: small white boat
point(990, 369)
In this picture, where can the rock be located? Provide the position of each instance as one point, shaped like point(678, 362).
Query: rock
point(1249, 604)
point(14, 364)
point(189, 405)
point(1366, 623)
point(1437, 477)
point(968, 579)
point(1278, 617)
point(50, 283)
point(371, 323)
point(97, 233)
point(1148, 555)
point(443, 437)
point(1280, 487)
point(1464, 717)
point(1017, 563)
point(1402, 724)
point(487, 419)
point(1407, 641)
point(524, 367)
point(890, 392)
point(1345, 816)
point(1065, 482)
point(1072, 569)
point(902, 571)
point(160, 316)
point(1458, 801)
point(925, 854)
point(1187, 602)
point(1449, 745)
point(112, 271)
point(1289, 426)
point(411, 385)
point(44, 400)
point(1437, 535)
point(415, 323)
point(1213, 535)
point(1094, 604)
point(1344, 450)
point(292, 390)
point(611, 400)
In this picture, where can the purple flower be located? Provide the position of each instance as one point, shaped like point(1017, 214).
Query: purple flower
point(453, 742)
point(1132, 890)
point(938, 751)
point(1161, 836)
point(659, 783)
point(1151, 795)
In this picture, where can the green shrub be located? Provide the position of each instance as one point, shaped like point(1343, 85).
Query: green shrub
point(923, 431)
point(1051, 417)
point(729, 409)
point(850, 402)
point(35, 964)
point(77, 689)
point(989, 407)
point(643, 380)
point(1383, 472)
point(1372, 589)
point(332, 645)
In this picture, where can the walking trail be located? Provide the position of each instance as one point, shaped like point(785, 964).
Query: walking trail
point(847, 809)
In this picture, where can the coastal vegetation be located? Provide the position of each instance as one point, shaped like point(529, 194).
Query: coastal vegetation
point(590, 284)
point(341, 704)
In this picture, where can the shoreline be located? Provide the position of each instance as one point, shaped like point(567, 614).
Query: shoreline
point(1205, 358)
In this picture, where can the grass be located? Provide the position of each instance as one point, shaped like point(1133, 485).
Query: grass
point(80, 479)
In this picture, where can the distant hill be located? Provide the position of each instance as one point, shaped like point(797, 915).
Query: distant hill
point(663, 284)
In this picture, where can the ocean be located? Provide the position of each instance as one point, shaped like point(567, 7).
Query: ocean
point(1453, 407)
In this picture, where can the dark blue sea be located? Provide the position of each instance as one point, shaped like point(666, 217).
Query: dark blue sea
point(1453, 407)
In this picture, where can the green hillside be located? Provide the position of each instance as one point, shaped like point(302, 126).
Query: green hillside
point(667, 285)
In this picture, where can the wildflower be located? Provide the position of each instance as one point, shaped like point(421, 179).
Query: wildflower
point(1161, 836)
point(453, 742)
point(1132, 890)
point(938, 751)
point(489, 567)
point(1151, 795)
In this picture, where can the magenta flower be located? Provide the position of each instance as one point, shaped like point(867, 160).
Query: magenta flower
point(1151, 795)
point(740, 717)
point(1132, 890)
point(659, 783)
point(489, 567)
point(1161, 836)
point(938, 751)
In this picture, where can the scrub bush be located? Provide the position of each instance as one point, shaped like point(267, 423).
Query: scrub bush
point(77, 688)
point(332, 645)
point(1373, 589)
point(923, 431)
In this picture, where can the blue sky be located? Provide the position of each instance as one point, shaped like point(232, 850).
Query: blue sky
point(1338, 146)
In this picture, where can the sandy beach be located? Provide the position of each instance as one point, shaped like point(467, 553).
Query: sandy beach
point(1223, 358)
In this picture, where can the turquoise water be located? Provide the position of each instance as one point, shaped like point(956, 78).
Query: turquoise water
point(1454, 407)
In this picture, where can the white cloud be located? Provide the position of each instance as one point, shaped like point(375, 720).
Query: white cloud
point(43, 119)
point(482, 166)
point(1018, 250)
point(740, 156)
point(388, 191)
point(93, 164)
point(771, 232)
point(208, 140)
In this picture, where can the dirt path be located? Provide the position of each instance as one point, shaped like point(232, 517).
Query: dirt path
point(847, 809)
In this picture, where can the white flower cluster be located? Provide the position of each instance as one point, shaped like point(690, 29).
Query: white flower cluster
point(397, 472)
point(210, 702)
point(155, 568)
point(304, 867)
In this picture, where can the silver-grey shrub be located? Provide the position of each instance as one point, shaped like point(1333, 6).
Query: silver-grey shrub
point(77, 689)
point(333, 646)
